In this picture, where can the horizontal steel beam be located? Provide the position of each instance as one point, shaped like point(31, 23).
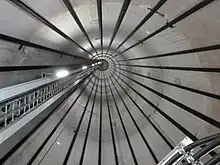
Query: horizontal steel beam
point(43, 20)
point(33, 45)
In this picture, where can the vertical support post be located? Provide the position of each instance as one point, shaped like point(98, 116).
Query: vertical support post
point(6, 117)
point(12, 111)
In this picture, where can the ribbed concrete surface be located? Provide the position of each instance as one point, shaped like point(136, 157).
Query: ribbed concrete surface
point(200, 29)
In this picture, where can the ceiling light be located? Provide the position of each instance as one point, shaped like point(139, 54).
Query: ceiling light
point(93, 64)
point(84, 67)
point(62, 73)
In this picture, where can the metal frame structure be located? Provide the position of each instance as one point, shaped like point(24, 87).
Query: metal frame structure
point(110, 83)
point(14, 108)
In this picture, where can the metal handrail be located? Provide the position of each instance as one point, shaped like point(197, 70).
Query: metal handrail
point(13, 108)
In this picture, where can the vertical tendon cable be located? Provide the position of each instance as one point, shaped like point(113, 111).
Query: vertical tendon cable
point(88, 127)
point(100, 130)
point(124, 129)
point(179, 104)
point(111, 127)
point(180, 127)
point(148, 119)
point(136, 125)
point(54, 129)
point(77, 129)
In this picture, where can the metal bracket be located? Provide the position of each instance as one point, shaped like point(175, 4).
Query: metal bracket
point(179, 148)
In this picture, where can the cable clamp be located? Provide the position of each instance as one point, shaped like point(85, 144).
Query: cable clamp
point(188, 156)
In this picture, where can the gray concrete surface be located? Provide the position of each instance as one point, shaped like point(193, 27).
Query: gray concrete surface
point(201, 29)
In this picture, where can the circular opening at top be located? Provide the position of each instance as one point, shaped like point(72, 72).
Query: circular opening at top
point(104, 65)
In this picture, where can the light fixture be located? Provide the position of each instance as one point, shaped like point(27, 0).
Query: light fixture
point(93, 64)
point(84, 67)
point(62, 73)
